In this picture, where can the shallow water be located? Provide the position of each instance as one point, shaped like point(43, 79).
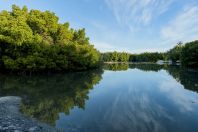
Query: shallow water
point(117, 98)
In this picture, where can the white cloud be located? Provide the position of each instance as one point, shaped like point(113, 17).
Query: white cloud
point(107, 47)
point(142, 50)
point(137, 13)
point(178, 95)
point(183, 27)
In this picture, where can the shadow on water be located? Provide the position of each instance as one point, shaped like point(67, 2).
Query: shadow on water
point(44, 97)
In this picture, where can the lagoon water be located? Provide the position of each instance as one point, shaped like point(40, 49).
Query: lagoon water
point(116, 98)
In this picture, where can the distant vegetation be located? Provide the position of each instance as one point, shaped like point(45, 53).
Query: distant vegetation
point(146, 57)
point(115, 57)
point(187, 54)
point(127, 57)
point(34, 41)
point(174, 54)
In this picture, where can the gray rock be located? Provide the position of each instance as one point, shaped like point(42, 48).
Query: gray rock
point(12, 120)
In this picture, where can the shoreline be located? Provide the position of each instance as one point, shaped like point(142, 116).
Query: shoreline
point(11, 119)
point(130, 63)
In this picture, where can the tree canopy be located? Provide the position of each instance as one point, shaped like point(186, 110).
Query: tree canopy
point(174, 54)
point(146, 57)
point(35, 40)
point(187, 54)
point(115, 57)
point(127, 57)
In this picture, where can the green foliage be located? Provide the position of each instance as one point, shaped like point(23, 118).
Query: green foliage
point(146, 57)
point(34, 40)
point(126, 57)
point(115, 57)
point(175, 53)
point(189, 54)
point(186, 53)
point(13, 27)
point(80, 37)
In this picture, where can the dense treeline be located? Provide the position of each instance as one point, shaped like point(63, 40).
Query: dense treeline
point(174, 53)
point(115, 57)
point(187, 54)
point(146, 57)
point(126, 57)
point(34, 41)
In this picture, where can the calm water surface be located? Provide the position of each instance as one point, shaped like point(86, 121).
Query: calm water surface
point(117, 98)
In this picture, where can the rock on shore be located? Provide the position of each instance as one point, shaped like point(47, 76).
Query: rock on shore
point(11, 120)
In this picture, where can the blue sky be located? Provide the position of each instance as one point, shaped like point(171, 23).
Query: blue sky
point(133, 26)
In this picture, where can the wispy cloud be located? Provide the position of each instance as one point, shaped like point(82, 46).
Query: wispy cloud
point(137, 13)
point(107, 47)
point(183, 27)
point(178, 95)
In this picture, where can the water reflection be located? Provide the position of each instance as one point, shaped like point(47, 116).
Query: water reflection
point(116, 67)
point(187, 77)
point(141, 98)
point(125, 66)
point(147, 67)
point(45, 96)
point(135, 100)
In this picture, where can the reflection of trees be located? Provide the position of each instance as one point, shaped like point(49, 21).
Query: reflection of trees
point(187, 77)
point(146, 67)
point(124, 67)
point(116, 67)
point(46, 96)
